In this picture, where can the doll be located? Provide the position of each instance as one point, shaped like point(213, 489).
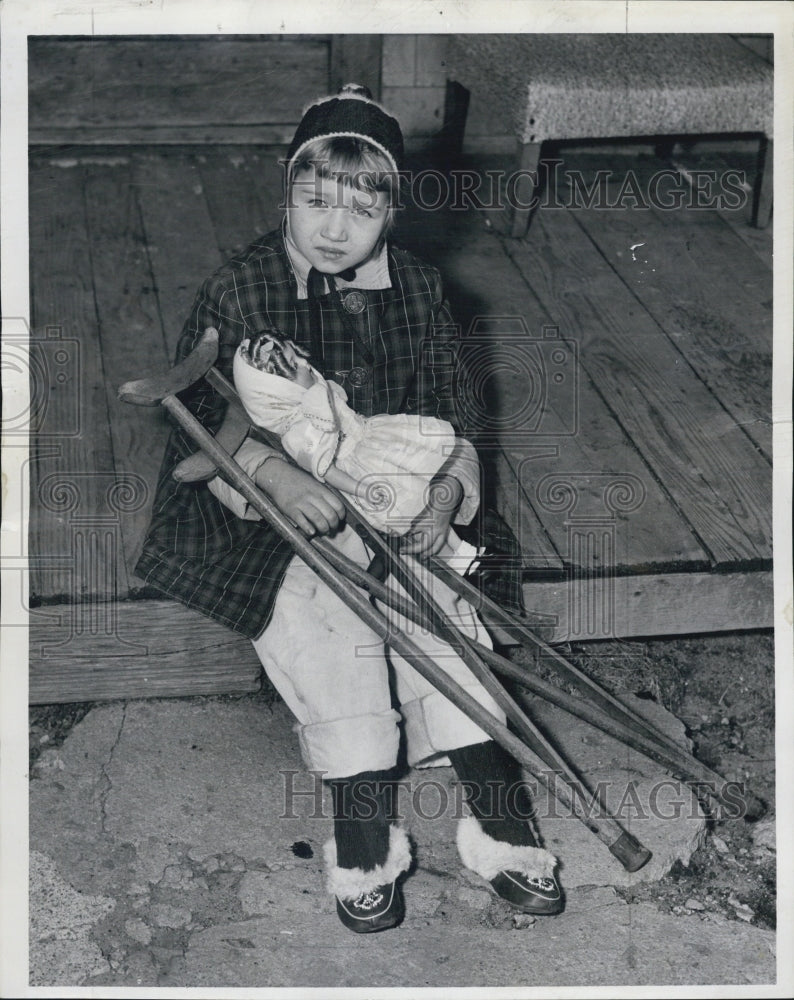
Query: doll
point(384, 464)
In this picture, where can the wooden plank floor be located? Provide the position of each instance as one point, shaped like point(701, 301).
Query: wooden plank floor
point(621, 400)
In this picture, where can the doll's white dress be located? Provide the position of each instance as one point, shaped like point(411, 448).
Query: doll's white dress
point(393, 457)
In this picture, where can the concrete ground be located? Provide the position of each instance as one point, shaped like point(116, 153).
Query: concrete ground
point(179, 843)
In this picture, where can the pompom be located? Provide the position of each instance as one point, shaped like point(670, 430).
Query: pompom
point(356, 90)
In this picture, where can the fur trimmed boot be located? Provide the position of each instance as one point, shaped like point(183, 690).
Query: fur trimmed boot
point(522, 875)
point(369, 899)
point(497, 842)
point(367, 854)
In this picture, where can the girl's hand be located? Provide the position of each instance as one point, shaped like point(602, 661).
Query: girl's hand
point(428, 533)
point(298, 495)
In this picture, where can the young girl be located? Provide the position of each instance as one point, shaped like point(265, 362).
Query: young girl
point(373, 319)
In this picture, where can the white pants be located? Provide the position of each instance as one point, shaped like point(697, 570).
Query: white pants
point(332, 671)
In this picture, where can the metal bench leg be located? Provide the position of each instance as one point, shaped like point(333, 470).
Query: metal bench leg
point(764, 185)
point(525, 184)
point(456, 107)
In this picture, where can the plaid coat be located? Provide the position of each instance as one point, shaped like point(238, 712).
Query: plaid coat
point(197, 550)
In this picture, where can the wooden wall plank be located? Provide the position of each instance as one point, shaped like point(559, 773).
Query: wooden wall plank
point(179, 233)
point(131, 336)
point(155, 649)
point(75, 532)
point(209, 134)
point(712, 298)
point(127, 82)
point(673, 604)
point(577, 437)
point(718, 479)
point(356, 59)
point(243, 192)
point(399, 60)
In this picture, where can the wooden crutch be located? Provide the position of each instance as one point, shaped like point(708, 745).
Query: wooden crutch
point(163, 390)
point(598, 707)
point(708, 784)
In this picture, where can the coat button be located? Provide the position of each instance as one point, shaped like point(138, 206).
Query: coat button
point(358, 377)
point(355, 302)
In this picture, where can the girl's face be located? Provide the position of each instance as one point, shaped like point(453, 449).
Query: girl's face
point(334, 225)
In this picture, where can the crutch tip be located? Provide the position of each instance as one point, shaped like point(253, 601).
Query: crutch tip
point(630, 852)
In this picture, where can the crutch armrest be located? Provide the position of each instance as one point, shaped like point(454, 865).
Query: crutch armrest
point(151, 391)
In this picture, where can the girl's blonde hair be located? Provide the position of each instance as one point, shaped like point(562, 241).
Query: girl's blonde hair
point(352, 161)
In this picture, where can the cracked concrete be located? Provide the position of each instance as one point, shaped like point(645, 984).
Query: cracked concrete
point(107, 784)
point(178, 843)
point(61, 923)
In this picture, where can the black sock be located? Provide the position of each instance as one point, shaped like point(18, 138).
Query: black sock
point(495, 791)
point(362, 818)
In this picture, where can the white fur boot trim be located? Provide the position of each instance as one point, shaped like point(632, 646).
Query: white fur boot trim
point(349, 883)
point(487, 857)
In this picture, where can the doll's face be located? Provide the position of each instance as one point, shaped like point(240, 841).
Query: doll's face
point(335, 225)
point(273, 354)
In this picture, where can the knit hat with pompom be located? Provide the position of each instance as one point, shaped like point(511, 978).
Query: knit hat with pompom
point(351, 113)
